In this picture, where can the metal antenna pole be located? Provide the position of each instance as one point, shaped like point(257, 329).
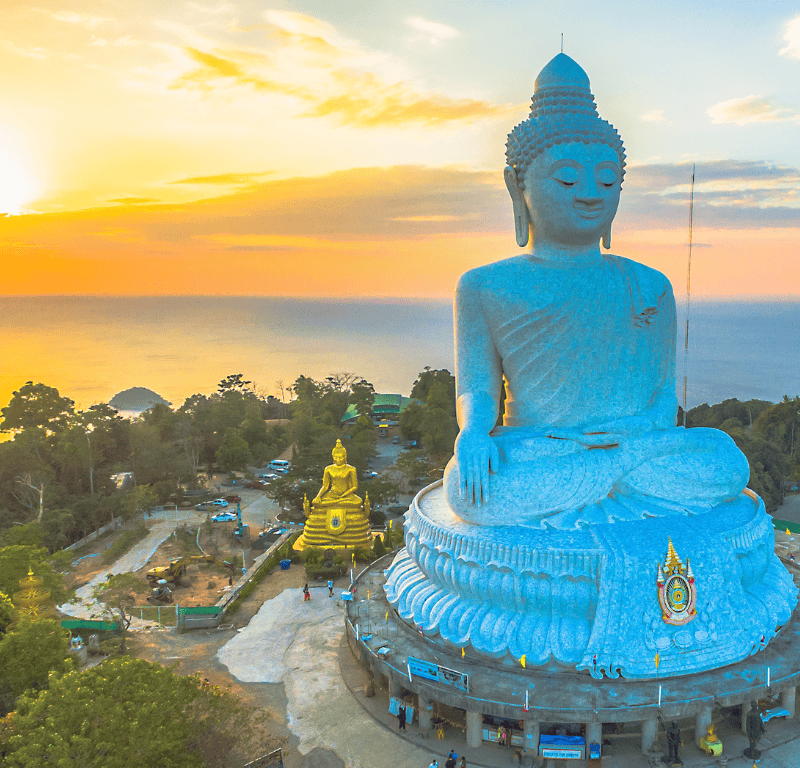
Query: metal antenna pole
point(688, 295)
point(562, 42)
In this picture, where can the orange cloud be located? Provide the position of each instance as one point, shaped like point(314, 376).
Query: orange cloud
point(309, 61)
point(404, 231)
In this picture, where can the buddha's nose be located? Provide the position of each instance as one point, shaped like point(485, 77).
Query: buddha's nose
point(588, 194)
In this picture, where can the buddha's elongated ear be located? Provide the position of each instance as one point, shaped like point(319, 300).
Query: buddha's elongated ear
point(522, 220)
point(607, 239)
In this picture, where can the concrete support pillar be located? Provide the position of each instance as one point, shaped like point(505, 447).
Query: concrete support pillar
point(788, 698)
point(531, 736)
point(594, 735)
point(425, 713)
point(474, 729)
point(701, 722)
point(649, 732)
point(745, 710)
point(395, 689)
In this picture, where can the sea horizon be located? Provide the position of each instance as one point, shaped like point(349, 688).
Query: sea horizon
point(92, 347)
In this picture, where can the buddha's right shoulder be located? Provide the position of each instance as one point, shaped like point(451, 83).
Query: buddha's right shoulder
point(490, 275)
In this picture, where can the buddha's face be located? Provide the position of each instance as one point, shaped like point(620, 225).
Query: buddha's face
point(339, 458)
point(572, 193)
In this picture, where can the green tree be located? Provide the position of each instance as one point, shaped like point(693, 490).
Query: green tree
point(36, 405)
point(426, 381)
point(362, 396)
point(135, 502)
point(128, 712)
point(410, 421)
point(119, 593)
point(235, 382)
point(28, 654)
point(6, 612)
point(439, 427)
point(234, 452)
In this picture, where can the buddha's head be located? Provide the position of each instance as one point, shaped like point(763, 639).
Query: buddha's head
point(339, 454)
point(565, 164)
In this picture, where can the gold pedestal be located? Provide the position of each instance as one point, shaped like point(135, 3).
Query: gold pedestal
point(333, 528)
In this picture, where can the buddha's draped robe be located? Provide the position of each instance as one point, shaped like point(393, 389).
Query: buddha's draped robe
point(579, 345)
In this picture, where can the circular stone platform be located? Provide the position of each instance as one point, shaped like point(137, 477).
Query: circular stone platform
point(588, 599)
point(381, 639)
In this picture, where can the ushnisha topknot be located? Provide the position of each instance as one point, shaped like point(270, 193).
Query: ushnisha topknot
point(562, 111)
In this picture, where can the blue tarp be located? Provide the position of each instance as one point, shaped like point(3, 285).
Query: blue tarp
point(562, 741)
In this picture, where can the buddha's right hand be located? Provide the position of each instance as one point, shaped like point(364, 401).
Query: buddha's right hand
point(476, 455)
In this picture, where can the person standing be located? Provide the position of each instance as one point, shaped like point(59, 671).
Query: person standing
point(434, 763)
point(463, 762)
point(401, 717)
point(330, 587)
point(306, 593)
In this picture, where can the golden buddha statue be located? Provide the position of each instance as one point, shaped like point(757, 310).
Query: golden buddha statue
point(337, 517)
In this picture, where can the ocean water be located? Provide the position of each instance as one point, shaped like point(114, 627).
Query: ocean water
point(90, 348)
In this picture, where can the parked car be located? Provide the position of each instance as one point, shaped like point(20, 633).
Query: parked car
point(218, 503)
point(369, 475)
point(396, 440)
point(202, 505)
point(224, 517)
point(279, 465)
point(268, 477)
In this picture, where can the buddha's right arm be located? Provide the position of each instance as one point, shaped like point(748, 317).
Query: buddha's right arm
point(479, 376)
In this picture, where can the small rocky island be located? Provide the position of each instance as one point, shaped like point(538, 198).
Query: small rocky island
point(137, 399)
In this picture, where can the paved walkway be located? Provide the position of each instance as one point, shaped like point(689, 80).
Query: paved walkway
point(84, 607)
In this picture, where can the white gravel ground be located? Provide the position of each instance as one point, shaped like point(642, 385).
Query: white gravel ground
point(297, 643)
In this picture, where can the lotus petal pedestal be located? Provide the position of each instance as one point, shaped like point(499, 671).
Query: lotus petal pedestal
point(588, 599)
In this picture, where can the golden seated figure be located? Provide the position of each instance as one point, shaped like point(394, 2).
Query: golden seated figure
point(337, 517)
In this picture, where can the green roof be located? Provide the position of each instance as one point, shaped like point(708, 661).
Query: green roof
point(384, 404)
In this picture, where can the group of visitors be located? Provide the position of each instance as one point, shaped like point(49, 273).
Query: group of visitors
point(307, 592)
point(451, 762)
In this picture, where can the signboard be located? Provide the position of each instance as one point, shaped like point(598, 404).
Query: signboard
point(561, 753)
point(454, 679)
point(562, 747)
point(427, 669)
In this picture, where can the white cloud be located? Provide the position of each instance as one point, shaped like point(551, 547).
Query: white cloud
point(653, 116)
point(792, 37)
point(750, 109)
point(431, 31)
point(28, 52)
point(71, 17)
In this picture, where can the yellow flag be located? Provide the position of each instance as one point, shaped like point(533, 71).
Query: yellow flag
point(367, 594)
point(658, 660)
point(354, 558)
point(463, 653)
point(390, 525)
point(522, 661)
point(387, 616)
point(788, 532)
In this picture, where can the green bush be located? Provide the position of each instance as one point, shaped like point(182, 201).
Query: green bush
point(312, 555)
point(124, 543)
point(378, 548)
point(363, 555)
point(319, 571)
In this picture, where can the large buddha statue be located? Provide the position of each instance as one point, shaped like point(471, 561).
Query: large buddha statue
point(547, 536)
point(585, 343)
point(337, 517)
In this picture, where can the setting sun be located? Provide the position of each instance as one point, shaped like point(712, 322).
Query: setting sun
point(18, 182)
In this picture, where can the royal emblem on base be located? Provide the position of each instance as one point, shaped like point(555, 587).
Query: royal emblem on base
point(676, 591)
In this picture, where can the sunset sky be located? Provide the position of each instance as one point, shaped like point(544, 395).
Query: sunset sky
point(356, 148)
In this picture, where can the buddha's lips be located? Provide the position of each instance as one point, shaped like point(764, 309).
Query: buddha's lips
point(589, 213)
